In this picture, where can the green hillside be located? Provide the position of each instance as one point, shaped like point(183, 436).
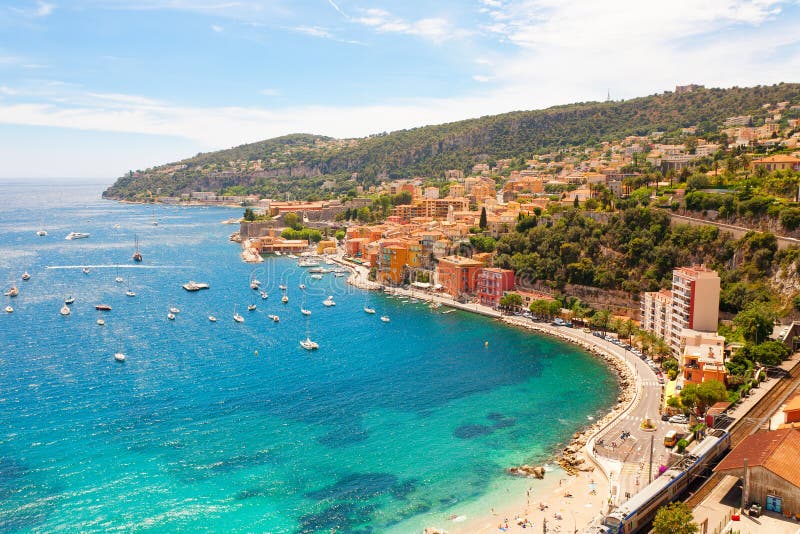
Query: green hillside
point(302, 163)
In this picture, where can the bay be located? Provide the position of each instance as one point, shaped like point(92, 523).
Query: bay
point(234, 427)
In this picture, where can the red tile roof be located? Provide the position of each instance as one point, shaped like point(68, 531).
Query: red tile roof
point(777, 451)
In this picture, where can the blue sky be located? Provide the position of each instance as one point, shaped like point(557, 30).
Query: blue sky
point(92, 88)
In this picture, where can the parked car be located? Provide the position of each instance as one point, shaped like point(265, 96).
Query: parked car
point(679, 419)
point(665, 416)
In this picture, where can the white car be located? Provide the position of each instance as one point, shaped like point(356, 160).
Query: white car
point(679, 419)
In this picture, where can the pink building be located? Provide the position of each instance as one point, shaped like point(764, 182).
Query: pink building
point(492, 283)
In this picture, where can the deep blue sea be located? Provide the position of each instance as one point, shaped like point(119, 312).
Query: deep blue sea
point(226, 427)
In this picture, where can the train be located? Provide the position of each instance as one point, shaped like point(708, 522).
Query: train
point(638, 512)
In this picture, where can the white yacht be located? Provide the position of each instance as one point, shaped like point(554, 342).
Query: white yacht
point(65, 310)
point(339, 275)
point(69, 300)
point(316, 276)
point(130, 293)
point(274, 318)
point(293, 256)
point(101, 322)
point(264, 295)
point(329, 301)
point(12, 292)
point(302, 286)
point(369, 310)
point(238, 318)
point(212, 318)
point(385, 318)
point(9, 309)
point(119, 357)
point(119, 279)
point(308, 263)
point(251, 307)
point(282, 287)
point(171, 316)
point(26, 276)
point(76, 235)
point(191, 285)
point(86, 270)
point(174, 310)
point(308, 344)
point(305, 311)
point(284, 299)
point(41, 233)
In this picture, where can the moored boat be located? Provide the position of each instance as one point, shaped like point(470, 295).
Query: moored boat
point(309, 345)
point(284, 299)
point(137, 256)
point(274, 318)
point(212, 318)
point(102, 307)
point(65, 310)
point(9, 309)
point(171, 316)
point(69, 300)
point(191, 285)
point(76, 235)
point(41, 233)
point(12, 291)
point(119, 357)
point(369, 310)
point(385, 318)
point(329, 301)
point(26, 276)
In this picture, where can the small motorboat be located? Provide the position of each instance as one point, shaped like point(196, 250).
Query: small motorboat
point(238, 318)
point(339, 275)
point(308, 344)
point(292, 256)
point(212, 318)
point(305, 311)
point(101, 322)
point(282, 287)
point(69, 300)
point(316, 276)
point(86, 270)
point(369, 310)
point(76, 235)
point(9, 309)
point(119, 279)
point(171, 316)
point(41, 233)
point(65, 310)
point(12, 292)
point(385, 318)
point(302, 286)
point(102, 307)
point(264, 295)
point(26, 276)
point(255, 284)
point(284, 299)
point(119, 357)
point(251, 307)
point(174, 310)
point(130, 293)
point(329, 301)
point(274, 318)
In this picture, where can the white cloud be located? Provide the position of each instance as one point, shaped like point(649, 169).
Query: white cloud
point(43, 9)
point(335, 6)
point(314, 31)
point(8, 91)
point(217, 29)
point(436, 29)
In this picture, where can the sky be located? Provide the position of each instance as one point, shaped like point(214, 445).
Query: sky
point(94, 88)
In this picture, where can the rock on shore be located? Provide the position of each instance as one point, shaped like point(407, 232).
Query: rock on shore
point(527, 471)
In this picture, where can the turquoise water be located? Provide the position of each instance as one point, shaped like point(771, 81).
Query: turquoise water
point(234, 427)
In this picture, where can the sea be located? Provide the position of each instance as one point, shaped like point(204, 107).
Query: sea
point(233, 427)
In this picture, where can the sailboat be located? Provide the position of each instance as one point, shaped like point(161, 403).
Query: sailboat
point(236, 317)
point(69, 300)
point(284, 299)
point(86, 270)
point(118, 279)
point(155, 221)
point(367, 309)
point(264, 295)
point(329, 301)
point(137, 256)
point(307, 343)
point(12, 291)
point(303, 309)
point(65, 310)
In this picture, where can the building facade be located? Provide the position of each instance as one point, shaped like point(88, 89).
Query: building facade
point(491, 285)
point(458, 275)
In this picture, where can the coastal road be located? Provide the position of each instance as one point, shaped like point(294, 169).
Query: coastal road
point(630, 457)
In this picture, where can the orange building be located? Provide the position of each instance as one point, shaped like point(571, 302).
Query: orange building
point(458, 275)
point(703, 357)
point(791, 411)
point(393, 259)
point(356, 247)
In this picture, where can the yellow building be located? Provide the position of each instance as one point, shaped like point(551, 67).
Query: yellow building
point(326, 246)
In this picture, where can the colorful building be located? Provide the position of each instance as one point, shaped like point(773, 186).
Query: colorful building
point(703, 357)
point(492, 283)
point(393, 259)
point(458, 275)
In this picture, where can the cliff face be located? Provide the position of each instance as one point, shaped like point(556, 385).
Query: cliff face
point(305, 164)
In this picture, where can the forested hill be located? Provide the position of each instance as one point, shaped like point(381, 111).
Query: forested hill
point(302, 163)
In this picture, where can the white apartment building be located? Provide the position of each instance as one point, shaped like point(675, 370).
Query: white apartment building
point(692, 304)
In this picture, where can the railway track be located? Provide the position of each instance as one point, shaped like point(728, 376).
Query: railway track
point(748, 424)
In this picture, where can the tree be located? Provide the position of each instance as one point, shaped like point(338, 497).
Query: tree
point(340, 234)
point(510, 300)
point(675, 518)
point(292, 220)
point(756, 322)
point(600, 319)
point(482, 223)
point(710, 392)
point(249, 214)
